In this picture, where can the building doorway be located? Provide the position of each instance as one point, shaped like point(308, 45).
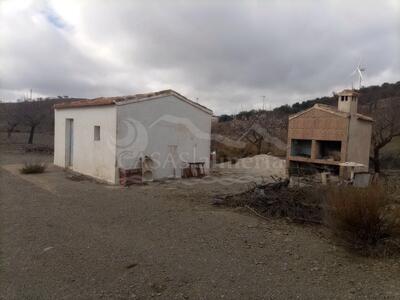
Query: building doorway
point(69, 142)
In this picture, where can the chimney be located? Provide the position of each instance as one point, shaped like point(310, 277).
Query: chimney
point(348, 101)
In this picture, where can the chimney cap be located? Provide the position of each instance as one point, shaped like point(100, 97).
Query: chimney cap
point(348, 93)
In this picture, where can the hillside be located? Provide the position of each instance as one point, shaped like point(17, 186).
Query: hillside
point(391, 154)
point(275, 122)
point(368, 95)
point(20, 111)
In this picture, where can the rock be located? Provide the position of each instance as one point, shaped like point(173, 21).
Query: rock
point(130, 266)
point(217, 201)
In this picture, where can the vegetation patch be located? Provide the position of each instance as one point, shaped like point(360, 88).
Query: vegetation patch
point(33, 168)
point(364, 220)
point(367, 220)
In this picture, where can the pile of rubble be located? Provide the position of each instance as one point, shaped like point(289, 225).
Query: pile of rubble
point(277, 199)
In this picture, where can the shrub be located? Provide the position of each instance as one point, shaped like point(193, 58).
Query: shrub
point(364, 219)
point(234, 160)
point(33, 168)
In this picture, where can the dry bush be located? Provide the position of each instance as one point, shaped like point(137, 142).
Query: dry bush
point(365, 219)
point(33, 168)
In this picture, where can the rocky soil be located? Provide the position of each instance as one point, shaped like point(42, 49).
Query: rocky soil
point(63, 238)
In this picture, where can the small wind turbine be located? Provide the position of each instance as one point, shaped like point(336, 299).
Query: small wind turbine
point(359, 71)
point(263, 102)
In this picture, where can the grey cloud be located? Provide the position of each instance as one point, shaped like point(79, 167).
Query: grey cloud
point(227, 53)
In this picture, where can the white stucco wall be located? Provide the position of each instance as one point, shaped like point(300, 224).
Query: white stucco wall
point(153, 127)
point(90, 157)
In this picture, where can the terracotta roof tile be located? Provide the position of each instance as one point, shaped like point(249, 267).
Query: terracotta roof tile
point(86, 102)
point(120, 99)
point(333, 110)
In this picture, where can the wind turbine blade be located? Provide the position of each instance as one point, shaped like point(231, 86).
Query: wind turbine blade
point(360, 73)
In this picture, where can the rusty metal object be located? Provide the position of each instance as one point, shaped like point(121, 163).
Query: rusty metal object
point(129, 177)
point(194, 169)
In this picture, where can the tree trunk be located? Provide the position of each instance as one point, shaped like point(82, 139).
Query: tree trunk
point(10, 130)
point(259, 145)
point(376, 159)
point(31, 134)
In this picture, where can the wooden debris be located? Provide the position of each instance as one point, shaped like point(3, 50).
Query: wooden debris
point(276, 199)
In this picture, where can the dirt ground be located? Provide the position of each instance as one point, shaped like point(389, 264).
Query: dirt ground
point(68, 238)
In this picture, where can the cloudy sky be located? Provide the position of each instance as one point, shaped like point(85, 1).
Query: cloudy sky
point(225, 53)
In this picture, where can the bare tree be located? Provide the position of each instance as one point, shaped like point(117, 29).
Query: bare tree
point(255, 138)
point(265, 127)
point(13, 117)
point(247, 132)
point(386, 114)
point(33, 113)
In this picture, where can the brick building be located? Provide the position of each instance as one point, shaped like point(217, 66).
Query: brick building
point(324, 137)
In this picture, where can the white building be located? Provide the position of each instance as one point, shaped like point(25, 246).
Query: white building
point(158, 133)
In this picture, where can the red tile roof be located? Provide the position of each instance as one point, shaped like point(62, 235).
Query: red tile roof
point(333, 110)
point(86, 102)
point(102, 101)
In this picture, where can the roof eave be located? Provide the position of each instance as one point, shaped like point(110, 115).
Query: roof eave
point(60, 106)
point(171, 93)
point(316, 106)
point(133, 99)
point(365, 118)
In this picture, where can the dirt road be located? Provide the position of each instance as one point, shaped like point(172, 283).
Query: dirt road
point(66, 239)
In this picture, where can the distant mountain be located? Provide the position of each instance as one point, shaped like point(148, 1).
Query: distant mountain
point(368, 95)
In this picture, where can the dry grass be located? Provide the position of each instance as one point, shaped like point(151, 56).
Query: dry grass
point(33, 168)
point(365, 219)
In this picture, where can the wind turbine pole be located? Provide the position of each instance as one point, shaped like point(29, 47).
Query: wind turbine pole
point(263, 101)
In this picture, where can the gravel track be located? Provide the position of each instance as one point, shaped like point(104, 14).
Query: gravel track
point(84, 240)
